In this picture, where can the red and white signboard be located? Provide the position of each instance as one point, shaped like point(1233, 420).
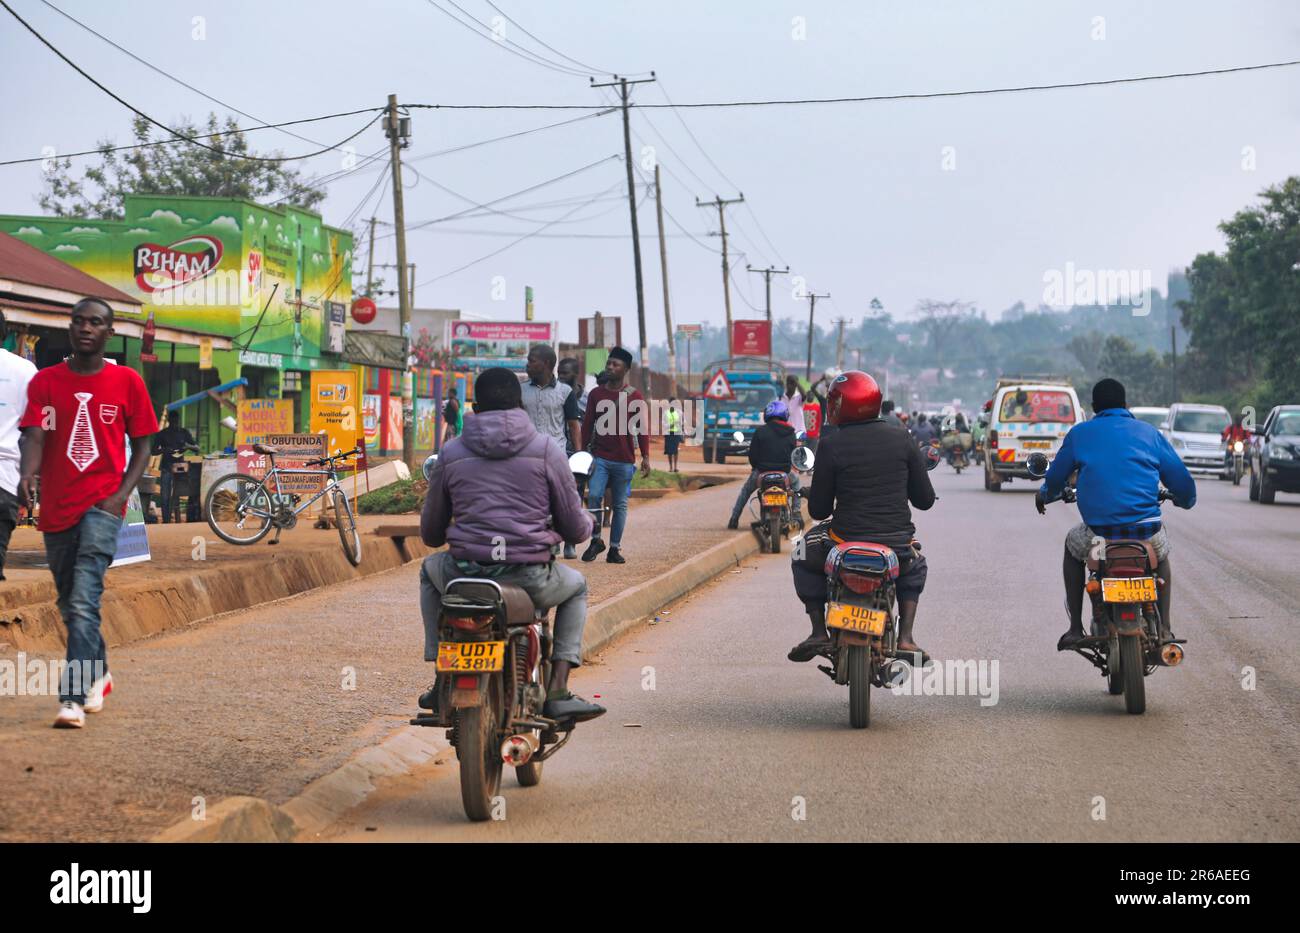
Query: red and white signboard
point(719, 387)
point(364, 310)
point(751, 338)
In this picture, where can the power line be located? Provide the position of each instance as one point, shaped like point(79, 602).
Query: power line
point(930, 95)
point(526, 236)
point(104, 150)
point(505, 44)
point(170, 76)
point(588, 68)
point(192, 140)
point(536, 129)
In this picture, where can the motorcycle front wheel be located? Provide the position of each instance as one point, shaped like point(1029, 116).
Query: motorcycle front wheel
point(859, 686)
point(1134, 670)
point(480, 758)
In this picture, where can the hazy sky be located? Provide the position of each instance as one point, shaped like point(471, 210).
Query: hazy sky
point(862, 200)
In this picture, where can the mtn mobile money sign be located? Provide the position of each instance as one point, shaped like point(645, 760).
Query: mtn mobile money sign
point(479, 345)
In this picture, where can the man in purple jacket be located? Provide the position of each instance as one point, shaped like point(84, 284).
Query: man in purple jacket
point(502, 498)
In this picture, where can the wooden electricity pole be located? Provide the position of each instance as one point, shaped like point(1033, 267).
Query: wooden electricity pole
point(398, 130)
point(721, 205)
point(663, 265)
point(812, 311)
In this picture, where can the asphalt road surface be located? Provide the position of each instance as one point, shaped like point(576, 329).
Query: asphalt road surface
point(734, 742)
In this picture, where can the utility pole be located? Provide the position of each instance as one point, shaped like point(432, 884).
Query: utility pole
point(622, 85)
point(812, 310)
point(767, 281)
point(663, 265)
point(1173, 367)
point(398, 130)
point(370, 263)
point(839, 342)
point(721, 204)
point(410, 277)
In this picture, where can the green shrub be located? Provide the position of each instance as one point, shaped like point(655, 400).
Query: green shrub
point(395, 499)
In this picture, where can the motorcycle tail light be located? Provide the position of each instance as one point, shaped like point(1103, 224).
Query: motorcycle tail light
point(1127, 615)
point(466, 681)
point(993, 440)
point(860, 583)
point(471, 623)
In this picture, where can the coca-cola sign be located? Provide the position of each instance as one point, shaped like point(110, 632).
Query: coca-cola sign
point(188, 260)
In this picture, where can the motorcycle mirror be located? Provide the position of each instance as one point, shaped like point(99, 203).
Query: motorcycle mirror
point(932, 455)
point(580, 463)
point(802, 459)
point(738, 437)
point(427, 468)
point(1036, 465)
point(801, 436)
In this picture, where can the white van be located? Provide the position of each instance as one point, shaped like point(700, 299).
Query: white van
point(1027, 417)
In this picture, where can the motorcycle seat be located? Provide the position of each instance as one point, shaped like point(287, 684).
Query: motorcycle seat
point(863, 556)
point(773, 478)
point(1128, 551)
point(468, 594)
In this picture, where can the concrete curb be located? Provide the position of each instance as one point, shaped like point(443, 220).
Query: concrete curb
point(138, 610)
point(324, 800)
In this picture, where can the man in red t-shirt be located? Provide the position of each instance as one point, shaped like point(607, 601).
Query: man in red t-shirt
point(79, 414)
point(616, 422)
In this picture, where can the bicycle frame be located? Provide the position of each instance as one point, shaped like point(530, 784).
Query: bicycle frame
point(279, 495)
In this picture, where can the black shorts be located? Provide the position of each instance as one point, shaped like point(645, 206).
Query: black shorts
point(810, 572)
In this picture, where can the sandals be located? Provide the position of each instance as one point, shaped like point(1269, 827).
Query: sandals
point(808, 649)
point(909, 654)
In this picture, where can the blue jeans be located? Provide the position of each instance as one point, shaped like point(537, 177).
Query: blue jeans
point(618, 476)
point(548, 585)
point(78, 558)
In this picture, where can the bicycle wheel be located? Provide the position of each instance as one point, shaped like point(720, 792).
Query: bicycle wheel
point(348, 531)
point(238, 509)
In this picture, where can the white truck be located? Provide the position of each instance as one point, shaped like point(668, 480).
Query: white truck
point(1029, 414)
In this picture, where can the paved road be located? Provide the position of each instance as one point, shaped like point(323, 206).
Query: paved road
point(733, 736)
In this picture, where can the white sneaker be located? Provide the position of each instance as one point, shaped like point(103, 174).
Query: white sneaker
point(71, 716)
point(98, 690)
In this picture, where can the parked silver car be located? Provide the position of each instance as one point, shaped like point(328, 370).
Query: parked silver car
point(1196, 434)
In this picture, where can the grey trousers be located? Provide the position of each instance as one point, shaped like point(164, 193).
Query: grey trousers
point(549, 585)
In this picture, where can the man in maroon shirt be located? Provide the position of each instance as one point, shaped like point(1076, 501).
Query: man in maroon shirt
point(79, 414)
point(616, 422)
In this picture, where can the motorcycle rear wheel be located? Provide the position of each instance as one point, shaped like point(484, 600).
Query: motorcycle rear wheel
point(1114, 679)
point(859, 686)
point(1134, 671)
point(774, 532)
point(480, 758)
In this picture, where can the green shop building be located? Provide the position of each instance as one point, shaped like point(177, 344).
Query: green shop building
point(228, 290)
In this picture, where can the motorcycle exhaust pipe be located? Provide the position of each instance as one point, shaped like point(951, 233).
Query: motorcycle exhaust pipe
point(518, 749)
point(1171, 655)
point(896, 673)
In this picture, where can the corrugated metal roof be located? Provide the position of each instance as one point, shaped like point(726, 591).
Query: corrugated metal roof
point(21, 262)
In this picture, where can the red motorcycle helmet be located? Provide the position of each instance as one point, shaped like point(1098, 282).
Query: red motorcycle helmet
point(853, 396)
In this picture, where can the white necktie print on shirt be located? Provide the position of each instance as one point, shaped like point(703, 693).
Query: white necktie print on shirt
point(82, 449)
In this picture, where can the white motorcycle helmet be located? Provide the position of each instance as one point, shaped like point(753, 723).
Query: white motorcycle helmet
point(580, 463)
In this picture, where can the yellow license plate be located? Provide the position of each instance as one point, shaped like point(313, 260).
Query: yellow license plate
point(471, 657)
point(1036, 445)
point(774, 498)
point(857, 619)
point(1129, 590)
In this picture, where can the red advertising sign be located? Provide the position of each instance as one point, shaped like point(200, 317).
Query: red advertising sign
point(364, 310)
point(751, 338)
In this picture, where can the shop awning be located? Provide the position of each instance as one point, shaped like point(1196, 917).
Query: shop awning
point(55, 316)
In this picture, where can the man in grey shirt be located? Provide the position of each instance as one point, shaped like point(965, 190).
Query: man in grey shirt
point(551, 404)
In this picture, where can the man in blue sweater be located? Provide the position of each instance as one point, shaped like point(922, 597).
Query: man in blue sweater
point(1121, 462)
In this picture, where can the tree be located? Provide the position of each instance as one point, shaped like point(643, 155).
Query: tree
point(175, 168)
point(938, 319)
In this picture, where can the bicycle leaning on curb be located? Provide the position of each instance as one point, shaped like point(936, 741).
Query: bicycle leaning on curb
point(242, 509)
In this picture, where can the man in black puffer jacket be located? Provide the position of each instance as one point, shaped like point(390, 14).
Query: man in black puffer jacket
point(866, 474)
point(770, 450)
